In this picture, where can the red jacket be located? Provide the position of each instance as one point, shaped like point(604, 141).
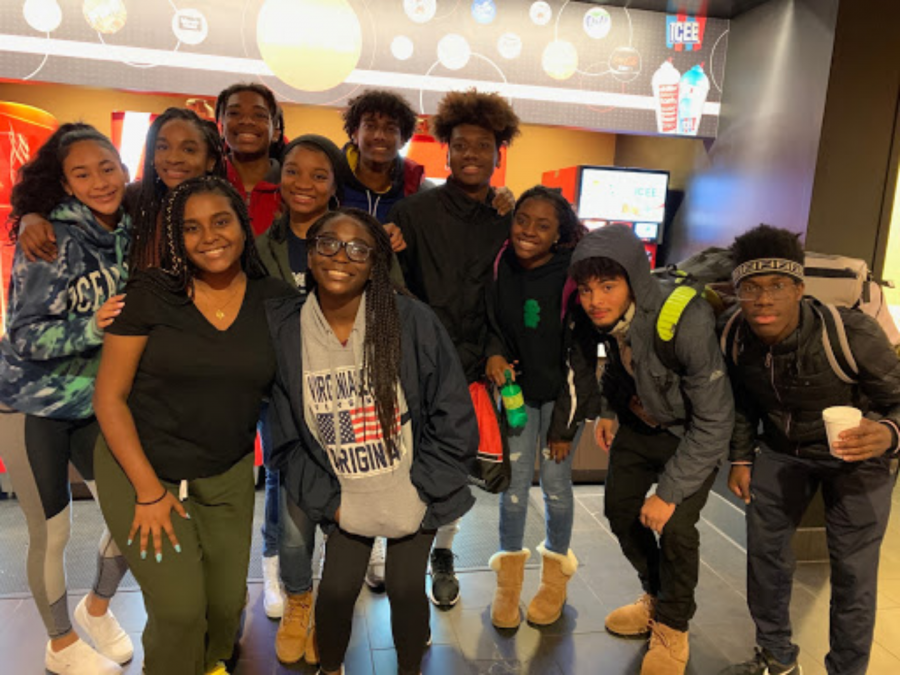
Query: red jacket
point(264, 201)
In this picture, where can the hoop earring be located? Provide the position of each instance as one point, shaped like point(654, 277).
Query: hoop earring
point(337, 203)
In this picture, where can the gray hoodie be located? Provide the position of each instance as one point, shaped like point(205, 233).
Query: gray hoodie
point(694, 403)
point(377, 496)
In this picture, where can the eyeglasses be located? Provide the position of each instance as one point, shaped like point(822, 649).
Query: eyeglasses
point(356, 251)
point(777, 292)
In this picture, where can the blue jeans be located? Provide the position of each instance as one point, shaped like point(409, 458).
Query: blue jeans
point(298, 542)
point(556, 483)
point(270, 529)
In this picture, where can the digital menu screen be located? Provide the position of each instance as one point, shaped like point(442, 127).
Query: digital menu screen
point(608, 193)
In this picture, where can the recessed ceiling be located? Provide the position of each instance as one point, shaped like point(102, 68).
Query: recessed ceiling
point(719, 9)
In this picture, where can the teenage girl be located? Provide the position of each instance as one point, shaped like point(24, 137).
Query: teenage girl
point(372, 427)
point(310, 187)
point(526, 305)
point(48, 359)
point(184, 371)
point(179, 146)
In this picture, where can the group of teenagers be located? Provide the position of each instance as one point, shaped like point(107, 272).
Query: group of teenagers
point(334, 301)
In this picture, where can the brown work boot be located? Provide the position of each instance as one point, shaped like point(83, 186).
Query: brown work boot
point(291, 638)
point(668, 653)
point(510, 569)
point(312, 648)
point(632, 621)
point(556, 570)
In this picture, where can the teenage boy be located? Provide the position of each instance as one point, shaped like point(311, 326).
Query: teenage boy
point(783, 376)
point(675, 416)
point(453, 234)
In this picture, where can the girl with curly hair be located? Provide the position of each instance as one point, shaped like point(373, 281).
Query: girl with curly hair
point(58, 312)
point(185, 368)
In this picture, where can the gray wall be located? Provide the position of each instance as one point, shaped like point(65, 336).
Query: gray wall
point(762, 166)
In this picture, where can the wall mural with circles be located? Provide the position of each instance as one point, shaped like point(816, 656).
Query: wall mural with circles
point(559, 61)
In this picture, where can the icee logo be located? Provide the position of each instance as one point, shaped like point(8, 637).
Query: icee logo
point(685, 33)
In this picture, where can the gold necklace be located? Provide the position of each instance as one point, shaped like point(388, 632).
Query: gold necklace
point(220, 311)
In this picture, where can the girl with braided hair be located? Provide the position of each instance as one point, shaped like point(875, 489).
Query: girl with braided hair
point(372, 427)
point(185, 368)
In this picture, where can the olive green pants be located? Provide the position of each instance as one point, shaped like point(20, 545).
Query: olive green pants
point(194, 598)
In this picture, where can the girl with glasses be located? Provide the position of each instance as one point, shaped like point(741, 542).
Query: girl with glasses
point(372, 427)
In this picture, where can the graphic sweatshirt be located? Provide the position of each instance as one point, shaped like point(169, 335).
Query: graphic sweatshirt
point(378, 497)
point(51, 350)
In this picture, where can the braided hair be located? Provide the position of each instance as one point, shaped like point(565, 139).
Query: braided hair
point(381, 348)
point(39, 186)
point(179, 271)
point(571, 229)
point(145, 240)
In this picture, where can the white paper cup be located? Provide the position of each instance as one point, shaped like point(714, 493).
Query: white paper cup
point(837, 419)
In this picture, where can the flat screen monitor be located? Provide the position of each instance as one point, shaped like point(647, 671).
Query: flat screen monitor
point(610, 193)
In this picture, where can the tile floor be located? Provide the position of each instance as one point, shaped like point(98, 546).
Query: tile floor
point(466, 643)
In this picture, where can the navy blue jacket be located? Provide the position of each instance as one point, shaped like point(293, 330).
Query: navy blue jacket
point(445, 432)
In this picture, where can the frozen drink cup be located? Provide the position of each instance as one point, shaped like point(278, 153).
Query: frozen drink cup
point(837, 419)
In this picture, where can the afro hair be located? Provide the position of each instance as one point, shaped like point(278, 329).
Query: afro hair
point(489, 111)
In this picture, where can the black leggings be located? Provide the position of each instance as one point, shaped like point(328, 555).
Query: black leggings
point(346, 559)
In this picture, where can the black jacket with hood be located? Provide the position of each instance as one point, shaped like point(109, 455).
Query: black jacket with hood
point(445, 433)
point(786, 386)
point(451, 243)
point(695, 403)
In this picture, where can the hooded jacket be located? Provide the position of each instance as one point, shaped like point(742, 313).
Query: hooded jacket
point(451, 243)
point(51, 351)
point(695, 403)
point(407, 178)
point(445, 433)
point(786, 386)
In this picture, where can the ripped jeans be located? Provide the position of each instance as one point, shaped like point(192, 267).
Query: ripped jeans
point(556, 484)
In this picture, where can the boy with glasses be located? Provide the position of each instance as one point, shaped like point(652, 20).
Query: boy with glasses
point(784, 375)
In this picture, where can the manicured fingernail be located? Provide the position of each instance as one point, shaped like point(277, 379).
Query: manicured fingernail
point(177, 548)
point(143, 555)
point(187, 515)
point(129, 542)
point(159, 557)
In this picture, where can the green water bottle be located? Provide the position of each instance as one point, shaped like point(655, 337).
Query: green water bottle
point(514, 403)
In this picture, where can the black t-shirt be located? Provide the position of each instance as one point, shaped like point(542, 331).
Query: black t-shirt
point(297, 259)
point(197, 391)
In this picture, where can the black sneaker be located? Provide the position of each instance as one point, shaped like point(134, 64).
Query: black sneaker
point(763, 663)
point(444, 585)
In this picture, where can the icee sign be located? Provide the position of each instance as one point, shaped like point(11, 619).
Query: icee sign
point(684, 33)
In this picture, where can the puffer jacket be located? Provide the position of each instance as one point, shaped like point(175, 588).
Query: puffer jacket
point(695, 403)
point(787, 386)
point(445, 432)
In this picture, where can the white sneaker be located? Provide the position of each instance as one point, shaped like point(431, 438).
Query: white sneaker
point(79, 658)
point(375, 570)
point(105, 632)
point(273, 599)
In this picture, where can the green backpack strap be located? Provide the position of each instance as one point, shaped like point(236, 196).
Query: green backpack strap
point(669, 317)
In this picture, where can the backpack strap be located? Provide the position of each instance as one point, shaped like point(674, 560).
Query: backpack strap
point(728, 341)
point(835, 342)
point(667, 324)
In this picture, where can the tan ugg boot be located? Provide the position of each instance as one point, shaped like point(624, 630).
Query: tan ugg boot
point(556, 570)
point(668, 653)
point(291, 638)
point(510, 569)
point(632, 621)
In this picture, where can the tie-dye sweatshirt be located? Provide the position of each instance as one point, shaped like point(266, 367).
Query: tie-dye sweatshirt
point(51, 350)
